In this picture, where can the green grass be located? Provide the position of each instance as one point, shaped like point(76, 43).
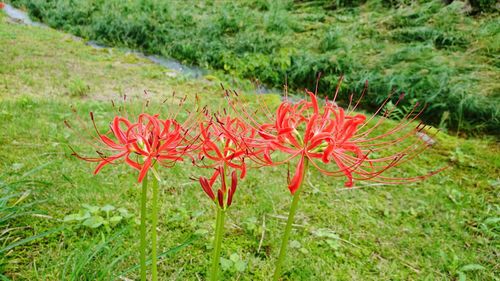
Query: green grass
point(439, 54)
point(445, 228)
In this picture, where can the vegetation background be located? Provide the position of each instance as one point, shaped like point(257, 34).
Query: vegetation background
point(446, 228)
point(442, 53)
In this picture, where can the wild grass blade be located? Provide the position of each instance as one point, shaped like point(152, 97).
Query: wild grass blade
point(31, 238)
point(167, 253)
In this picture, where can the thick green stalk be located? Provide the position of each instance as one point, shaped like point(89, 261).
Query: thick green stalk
point(288, 228)
point(144, 197)
point(154, 225)
point(219, 231)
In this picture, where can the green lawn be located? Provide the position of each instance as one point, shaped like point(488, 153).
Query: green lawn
point(446, 228)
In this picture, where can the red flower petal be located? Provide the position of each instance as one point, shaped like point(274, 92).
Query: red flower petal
point(326, 153)
point(132, 163)
point(220, 198)
point(223, 181)
point(110, 143)
point(314, 102)
point(298, 177)
point(234, 184)
point(207, 187)
point(217, 172)
point(243, 170)
point(119, 134)
point(108, 160)
point(145, 168)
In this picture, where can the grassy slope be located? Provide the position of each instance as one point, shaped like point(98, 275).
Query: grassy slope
point(435, 53)
point(426, 231)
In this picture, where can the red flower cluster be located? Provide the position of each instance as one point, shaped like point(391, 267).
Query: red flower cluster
point(148, 141)
point(327, 133)
point(225, 144)
point(2, 5)
point(303, 130)
point(334, 140)
point(317, 132)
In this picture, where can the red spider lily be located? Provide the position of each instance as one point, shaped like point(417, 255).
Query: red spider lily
point(326, 135)
point(224, 195)
point(226, 143)
point(141, 144)
point(2, 5)
point(330, 134)
point(336, 141)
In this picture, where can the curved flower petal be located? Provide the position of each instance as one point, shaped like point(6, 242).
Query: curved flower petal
point(298, 177)
point(207, 187)
point(108, 160)
point(144, 170)
point(220, 198)
point(232, 190)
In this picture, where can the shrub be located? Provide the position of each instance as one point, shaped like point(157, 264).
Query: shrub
point(484, 6)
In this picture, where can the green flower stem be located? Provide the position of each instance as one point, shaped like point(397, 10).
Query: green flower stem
point(288, 228)
point(219, 231)
point(144, 198)
point(154, 225)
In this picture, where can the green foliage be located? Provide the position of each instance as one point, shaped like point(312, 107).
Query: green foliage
point(330, 238)
point(426, 48)
point(444, 228)
point(94, 217)
point(12, 206)
point(484, 6)
point(15, 207)
point(98, 260)
point(399, 112)
point(233, 264)
point(78, 88)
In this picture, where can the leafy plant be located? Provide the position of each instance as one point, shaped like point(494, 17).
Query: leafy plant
point(399, 112)
point(234, 264)
point(328, 236)
point(95, 217)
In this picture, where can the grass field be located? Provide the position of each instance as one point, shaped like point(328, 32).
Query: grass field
point(446, 228)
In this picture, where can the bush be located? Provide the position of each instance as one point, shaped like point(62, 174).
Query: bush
point(484, 6)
